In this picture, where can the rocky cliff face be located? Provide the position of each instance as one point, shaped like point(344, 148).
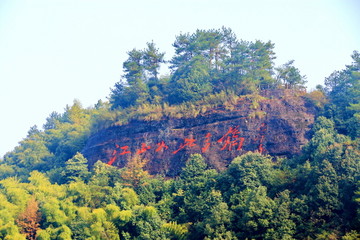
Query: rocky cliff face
point(277, 125)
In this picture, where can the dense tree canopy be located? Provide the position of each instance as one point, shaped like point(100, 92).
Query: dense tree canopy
point(205, 62)
point(48, 190)
point(343, 90)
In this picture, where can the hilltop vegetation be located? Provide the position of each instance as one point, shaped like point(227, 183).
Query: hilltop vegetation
point(48, 191)
point(205, 62)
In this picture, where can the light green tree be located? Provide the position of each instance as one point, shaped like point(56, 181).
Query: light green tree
point(76, 168)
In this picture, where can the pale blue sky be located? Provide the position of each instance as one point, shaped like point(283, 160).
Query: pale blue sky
point(55, 51)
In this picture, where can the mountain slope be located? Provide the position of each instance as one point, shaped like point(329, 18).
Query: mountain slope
point(276, 124)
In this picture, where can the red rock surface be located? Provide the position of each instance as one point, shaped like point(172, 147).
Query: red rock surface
point(220, 135)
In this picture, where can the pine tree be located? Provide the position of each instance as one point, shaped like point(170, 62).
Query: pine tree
point(76, 168)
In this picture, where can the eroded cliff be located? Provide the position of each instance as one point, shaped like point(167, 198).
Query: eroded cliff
point(277, 124)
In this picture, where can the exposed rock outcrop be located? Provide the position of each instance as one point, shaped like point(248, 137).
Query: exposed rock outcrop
point(277, 125)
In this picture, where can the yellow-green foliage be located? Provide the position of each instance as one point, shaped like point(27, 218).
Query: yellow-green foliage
point(352, 235)
point(255, 99)
point(129, 197)
point(156, 112)
point(15, 192)
point(176, 231)
point(317, 98)
point(257, 114)
point(8, 210)
point(113, 211)
point(125, 215)
point(41, 187)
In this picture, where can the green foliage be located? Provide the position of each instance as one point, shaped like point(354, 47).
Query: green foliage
point(317, 99)
point(248, 171)
point(76, 168)
point(104, 175)
point(353, 235)
point(205, 62)
point(128, 198)
point(194, 168)
point(290, 76)
point(342, 88)
point(314, 195)
point(254, 212)
point(175, 231)
point(140, 79)
point(191, 82)
point(31, 154)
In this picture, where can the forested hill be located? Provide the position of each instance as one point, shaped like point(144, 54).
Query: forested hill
point(224, 146)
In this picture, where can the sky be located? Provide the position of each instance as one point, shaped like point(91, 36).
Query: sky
point(55, 51)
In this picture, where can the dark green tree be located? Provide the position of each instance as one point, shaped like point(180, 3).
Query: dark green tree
point(338, 154)
point(254, 213)
point(195, 197)
point(152, 60)
point(324, 200)
point(145, 224)
point(191, 81)
point(290, 76)
point(248, 67)
point(261, 68)
point(250, 171)
point(283, 226)
point(343, 91)
point(32, 152)
point(132, 89)
point(141, 73)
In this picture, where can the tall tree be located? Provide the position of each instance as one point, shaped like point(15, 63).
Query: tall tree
point(261, 67)
point(249, 66)
point(290, 76)
point(254, 213)
point(69, 135)
point(76, 168)
point(32, 152)
point(132, 88)
point(213, 45)
point(152, 59)
point(343, 91)
point(324, 196)
point(140, 69)
point(191, 81)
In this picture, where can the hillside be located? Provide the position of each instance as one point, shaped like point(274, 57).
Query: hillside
point(276, 123)
point(226, 146)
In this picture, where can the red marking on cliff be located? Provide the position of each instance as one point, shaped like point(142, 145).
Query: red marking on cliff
point(143, 149)
point(261, 145)
point(232, 139)
point(262, 130)
point(125, 150)
point(233, 132)
point(115, 152)
point(161, 145)
point(112, 160)
point(229, 143)
point(207, 143)
point(187, 142)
